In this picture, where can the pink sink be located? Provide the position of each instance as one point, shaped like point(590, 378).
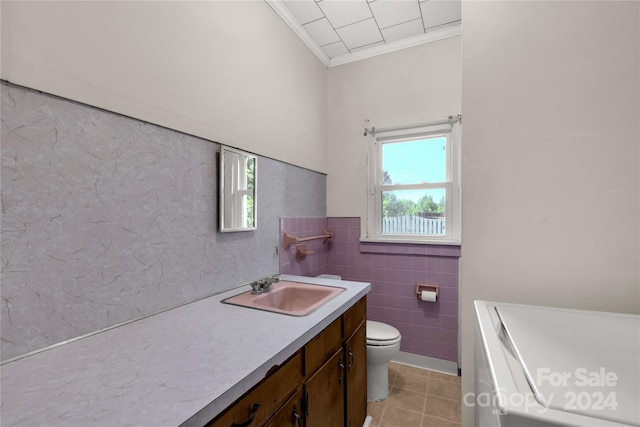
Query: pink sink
point(292, 298)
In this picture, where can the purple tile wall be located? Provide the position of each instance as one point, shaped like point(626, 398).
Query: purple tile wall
point(313, 264)
point(394, 270)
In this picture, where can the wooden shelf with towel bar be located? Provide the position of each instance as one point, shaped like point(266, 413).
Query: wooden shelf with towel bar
point(301, 250)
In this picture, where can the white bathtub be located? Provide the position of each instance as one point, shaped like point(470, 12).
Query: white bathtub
point(544, 366)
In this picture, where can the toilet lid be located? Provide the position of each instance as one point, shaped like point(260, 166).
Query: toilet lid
point(380, 333)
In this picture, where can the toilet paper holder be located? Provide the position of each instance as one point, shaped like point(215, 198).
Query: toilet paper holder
point(428, 288)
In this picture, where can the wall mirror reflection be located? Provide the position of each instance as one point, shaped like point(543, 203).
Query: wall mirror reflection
point(238, 174)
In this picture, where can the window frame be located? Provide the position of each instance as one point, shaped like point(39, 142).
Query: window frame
point(452, 184)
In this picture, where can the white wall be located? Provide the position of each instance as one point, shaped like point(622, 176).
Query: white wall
point(410, 86)
point(228, 71)
point(550, 158)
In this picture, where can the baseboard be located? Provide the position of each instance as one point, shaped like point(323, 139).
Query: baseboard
point(367, 421)
point(431, 363)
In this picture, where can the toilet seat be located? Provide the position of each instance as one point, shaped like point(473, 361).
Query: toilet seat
point(381, 335)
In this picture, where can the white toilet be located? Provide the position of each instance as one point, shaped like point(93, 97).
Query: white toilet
point(383, 344)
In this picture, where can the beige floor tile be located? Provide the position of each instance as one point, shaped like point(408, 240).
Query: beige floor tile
point(406, 399)
point(418, 398)
point(393, 366)
point(375, 409)
point(396, 417)
point(412, 370)
point(393, 374)
point(411, 381)
point(446, 409)
point(428, 421)
point(446, 389)
point(445, 377)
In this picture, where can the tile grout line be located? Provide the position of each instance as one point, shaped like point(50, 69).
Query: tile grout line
point(438, 417)
point(424, 408)
point(423, 414)
point(386, 401)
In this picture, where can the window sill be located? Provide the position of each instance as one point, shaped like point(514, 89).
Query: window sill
point(409, 247)
point(409, 241)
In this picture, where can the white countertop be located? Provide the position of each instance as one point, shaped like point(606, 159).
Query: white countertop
point(179, 367)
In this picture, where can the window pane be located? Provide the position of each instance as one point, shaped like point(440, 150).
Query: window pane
point(413, 212)
point(414, 162)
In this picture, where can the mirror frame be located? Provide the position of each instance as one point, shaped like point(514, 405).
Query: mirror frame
point(227, 194)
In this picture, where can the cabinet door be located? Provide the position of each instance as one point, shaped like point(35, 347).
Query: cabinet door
point(320, 348)
point(261, 402)
point(356, 386)
point(325, 394)
point(354, 316)
point(290, 415)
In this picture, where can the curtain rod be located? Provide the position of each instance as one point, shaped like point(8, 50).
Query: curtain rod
point(449, 120)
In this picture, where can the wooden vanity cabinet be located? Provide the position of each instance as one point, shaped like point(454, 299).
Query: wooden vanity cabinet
point(324, 394)
point(355, 353)
point(322, 385)
point(260, 403)
point(336, 393)
point(290, 414)
point(321, 347)
point(356, 384)
point(354, 317)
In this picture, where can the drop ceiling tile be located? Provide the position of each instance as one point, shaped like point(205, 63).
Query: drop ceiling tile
point(360, 34)
point(304, 11)
point(337, 28)
point(402, 31)
point(341, 12)
point(440, 12)
point(322, 32)
point(393, 12)
point(367, 46)
point(335, 49)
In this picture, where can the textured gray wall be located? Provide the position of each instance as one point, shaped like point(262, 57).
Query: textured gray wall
point(106, 219)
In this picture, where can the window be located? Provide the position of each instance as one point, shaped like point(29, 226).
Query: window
point(414, 184)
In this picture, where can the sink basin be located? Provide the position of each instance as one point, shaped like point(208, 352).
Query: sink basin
point(292, 298)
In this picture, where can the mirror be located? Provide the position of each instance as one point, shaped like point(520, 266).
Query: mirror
point(238, 173)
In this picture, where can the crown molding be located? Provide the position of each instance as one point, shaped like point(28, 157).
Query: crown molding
point(293, 23)
point(431, 36)
point(450, 30)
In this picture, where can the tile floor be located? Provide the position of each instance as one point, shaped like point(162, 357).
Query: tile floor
point(418, 398)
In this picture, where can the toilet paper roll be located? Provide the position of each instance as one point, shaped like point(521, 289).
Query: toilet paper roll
point(428, 296)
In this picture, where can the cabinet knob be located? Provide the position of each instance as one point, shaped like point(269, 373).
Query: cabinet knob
point(341, 370)
point(350, 357)
point(254, 410)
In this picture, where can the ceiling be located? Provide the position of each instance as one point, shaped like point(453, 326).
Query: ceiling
point(342, 31)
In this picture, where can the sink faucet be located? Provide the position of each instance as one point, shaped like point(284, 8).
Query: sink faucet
point(263, 285)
